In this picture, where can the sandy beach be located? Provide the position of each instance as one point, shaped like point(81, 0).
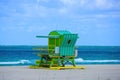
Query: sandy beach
point(92, 72)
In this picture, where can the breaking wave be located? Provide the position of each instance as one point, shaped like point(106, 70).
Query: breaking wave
point(77, 60)
point(81, 60)
point(15, 62)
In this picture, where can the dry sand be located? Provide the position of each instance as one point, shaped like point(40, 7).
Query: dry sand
point(92, 72)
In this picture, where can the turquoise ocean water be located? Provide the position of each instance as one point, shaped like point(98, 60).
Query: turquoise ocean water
point(26, 55)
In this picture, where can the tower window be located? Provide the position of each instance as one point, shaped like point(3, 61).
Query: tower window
point(69, 41)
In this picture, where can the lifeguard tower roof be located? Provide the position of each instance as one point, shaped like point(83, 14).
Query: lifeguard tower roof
point(55, 34)
point(59, 32)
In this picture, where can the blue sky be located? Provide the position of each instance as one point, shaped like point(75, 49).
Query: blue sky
point(97, 22)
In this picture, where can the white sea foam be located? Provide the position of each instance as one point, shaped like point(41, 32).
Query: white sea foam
point(4, 63)
point(24, 61)
point(16, 62)
point(100, 61)
point(95, 61)
point(79, 60)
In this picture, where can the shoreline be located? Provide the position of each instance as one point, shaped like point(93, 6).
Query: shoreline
point(92, 72)
point(9, 65)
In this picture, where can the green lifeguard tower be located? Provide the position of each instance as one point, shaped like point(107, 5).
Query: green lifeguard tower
point(61, 50)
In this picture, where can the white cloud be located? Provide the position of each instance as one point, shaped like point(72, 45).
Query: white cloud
point(82, 8)
point(91, 4)
point(73, 3)
point(68, 2)
point(25, 9)
point(70, 8)
point(43, 1)
point(33, 10)
point(63, 10)
point(103, 4)
point(70, 5)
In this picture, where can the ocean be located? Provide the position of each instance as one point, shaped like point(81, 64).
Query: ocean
point(27, 55)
